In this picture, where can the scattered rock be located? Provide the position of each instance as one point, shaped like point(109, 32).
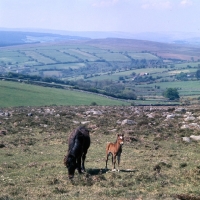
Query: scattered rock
point(76, 122)
point(190, 126)
point(127, 121)
point(94, 112)
point(185, 126)
point(7, 114)
point(186, 139)
point(150, 115)
point(190, 118)
point(170, 116)
point(119, 122)
point(44, 125)
point(195, 137)
point(85, 122)
point(113, 130)
point(180, 110)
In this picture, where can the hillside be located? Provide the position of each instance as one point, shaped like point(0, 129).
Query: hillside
point(164, 50)
point(160, 158)
point(14, 94)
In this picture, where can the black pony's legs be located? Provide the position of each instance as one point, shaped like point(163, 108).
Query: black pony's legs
point(83, 162)
point(79, 165)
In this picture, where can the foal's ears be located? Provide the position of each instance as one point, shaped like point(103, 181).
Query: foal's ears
point(120, 135)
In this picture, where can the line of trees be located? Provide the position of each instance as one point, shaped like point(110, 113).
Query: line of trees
point(106, 87)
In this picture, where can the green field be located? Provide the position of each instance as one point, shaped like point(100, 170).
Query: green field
point(38, 57)
point(14, 94)
point(81, 54)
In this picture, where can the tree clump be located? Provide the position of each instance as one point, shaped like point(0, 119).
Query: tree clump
point(171, 93)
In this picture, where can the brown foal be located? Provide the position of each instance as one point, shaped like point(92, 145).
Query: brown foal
point(115, 149)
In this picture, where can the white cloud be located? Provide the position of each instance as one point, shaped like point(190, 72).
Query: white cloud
point(156, 4)
point(186, 3)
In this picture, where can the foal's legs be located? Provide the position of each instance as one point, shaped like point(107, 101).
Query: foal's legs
point(108, 154)
point(113, 162)
point(118, 159)
point(107, 160)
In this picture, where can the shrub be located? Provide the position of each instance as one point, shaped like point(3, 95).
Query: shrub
point(93, 104)
point(171, 93)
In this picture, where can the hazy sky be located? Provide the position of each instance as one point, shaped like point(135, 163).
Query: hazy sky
point(102, 15)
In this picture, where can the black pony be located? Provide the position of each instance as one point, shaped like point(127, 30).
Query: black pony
point(79, 142)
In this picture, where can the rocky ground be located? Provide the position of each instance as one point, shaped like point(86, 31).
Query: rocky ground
point(129, 120)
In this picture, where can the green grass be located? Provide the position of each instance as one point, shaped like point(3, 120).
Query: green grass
point(184, 65)
point(58, 55)
point(184, 85)
point(81, 54)
point(115, 57)
point(12, 57)
point(21, 94)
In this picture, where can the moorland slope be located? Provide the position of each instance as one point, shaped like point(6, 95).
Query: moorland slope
point(155, 163)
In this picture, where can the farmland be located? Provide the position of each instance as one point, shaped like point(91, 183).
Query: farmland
point(141, 67)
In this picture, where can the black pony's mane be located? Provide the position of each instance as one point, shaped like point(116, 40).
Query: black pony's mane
point(73, 135)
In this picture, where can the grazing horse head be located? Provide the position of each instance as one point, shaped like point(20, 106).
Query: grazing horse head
point(70, 163)
point(115, 149)
point(79, 142)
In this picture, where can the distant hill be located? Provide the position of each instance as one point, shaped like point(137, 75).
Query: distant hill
point(17, 37)
point(46, 35)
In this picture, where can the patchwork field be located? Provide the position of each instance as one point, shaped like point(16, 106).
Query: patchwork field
point(156, 163)
point(144, 67)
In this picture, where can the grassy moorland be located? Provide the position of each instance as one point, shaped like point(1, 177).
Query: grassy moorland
point(20, 94)
point(155, 163)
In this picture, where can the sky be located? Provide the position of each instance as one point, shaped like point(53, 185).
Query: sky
point(131, 16)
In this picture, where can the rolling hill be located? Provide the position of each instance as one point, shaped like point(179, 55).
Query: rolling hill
point(140, 70)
